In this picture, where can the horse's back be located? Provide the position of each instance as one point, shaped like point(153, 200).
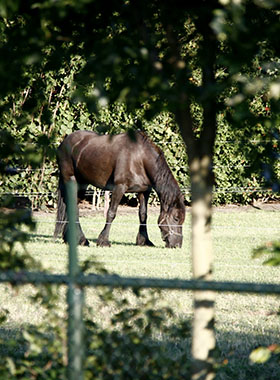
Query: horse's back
point(76, 137)
point(116, 145)
point(104, 160)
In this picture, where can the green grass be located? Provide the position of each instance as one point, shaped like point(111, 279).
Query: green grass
point(243, 322)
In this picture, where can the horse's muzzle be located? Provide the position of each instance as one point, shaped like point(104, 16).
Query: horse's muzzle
point(173, 240)
point(177, 244)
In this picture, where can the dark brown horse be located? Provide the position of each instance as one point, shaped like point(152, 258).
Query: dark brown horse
point(122, 165)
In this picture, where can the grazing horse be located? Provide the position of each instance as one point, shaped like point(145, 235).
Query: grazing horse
point(121, 164)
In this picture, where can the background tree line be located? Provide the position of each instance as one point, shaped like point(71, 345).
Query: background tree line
point(51, 98)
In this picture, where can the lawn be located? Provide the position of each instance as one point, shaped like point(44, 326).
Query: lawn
point(243, 322)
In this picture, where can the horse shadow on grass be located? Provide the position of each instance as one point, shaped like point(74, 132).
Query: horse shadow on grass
point(40, 238)
point(44, 238)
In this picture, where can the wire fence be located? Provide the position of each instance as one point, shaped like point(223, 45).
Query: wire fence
point(96, 196)
point(185, 226)
point(30, 170)
point(186, 190)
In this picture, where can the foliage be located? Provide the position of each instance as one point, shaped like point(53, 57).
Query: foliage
point(272, 353)
point(12, 222)
point(140, 344)
point(137, 341)
point(272, 249)
point(11, 234)
point(238, 173)
point(264, 354)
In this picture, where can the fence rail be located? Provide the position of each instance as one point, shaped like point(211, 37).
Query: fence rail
point(23, 278)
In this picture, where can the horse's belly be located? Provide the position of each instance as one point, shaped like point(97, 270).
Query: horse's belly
point(138, 188)
point(138, 183)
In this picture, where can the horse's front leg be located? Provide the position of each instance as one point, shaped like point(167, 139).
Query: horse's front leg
point(117, 193)
point(142, 237)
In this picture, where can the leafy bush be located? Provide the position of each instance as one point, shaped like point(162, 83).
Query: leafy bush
point(239, 161)
point(136, 342)
point(271, 248)
point(269, 354)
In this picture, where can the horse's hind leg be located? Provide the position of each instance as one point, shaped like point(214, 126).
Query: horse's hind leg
point(142, 237)
point(117, 193)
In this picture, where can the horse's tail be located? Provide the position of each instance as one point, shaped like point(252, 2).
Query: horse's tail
point(61, 217)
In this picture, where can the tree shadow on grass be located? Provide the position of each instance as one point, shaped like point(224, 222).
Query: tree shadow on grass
point(234, 351)
point(121, 351)
point(41, 238)
point(118, 353)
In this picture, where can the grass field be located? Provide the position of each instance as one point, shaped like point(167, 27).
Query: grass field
point(243, 322)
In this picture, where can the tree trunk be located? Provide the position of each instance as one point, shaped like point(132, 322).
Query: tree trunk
point(203, 338)
point(200, 155)
point(200, 149)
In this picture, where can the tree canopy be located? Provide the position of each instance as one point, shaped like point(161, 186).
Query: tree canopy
point(206, 63)
point(66, 60)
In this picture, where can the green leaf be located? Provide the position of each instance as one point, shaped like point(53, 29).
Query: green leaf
point(11, 366)
point(260, 355)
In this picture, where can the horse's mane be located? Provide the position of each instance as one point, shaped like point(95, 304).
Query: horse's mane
point(164, 182)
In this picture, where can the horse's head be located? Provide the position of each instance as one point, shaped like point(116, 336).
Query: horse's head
point(170, 223)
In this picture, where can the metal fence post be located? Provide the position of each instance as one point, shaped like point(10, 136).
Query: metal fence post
point(75, 296)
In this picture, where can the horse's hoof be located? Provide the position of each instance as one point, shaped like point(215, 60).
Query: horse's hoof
point(142, 241)
point(149, 243)
point(84, 243)
point(103, 242)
